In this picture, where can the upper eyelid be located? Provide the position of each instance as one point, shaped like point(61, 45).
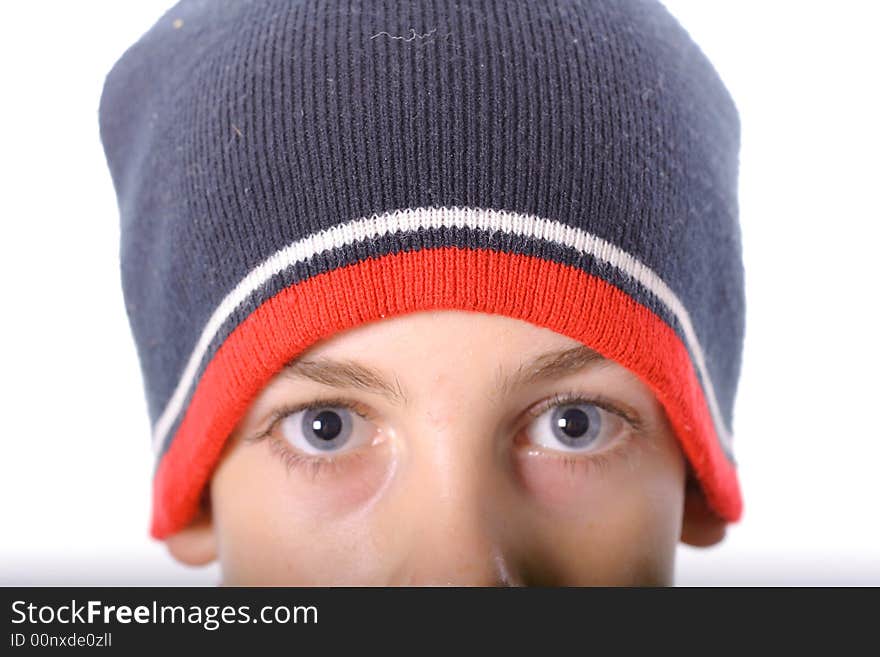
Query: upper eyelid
point(569, 397)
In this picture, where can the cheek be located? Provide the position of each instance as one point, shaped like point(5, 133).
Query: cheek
point(590, 487)
point(579, 488)
point(558, 487)
point(299, 526)
point(631, 545)
point(618, 523)
point(307, 492)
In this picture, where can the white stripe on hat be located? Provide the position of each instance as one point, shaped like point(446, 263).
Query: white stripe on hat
point(412, 219)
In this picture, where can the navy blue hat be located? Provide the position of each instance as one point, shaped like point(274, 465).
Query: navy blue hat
point(287, 169)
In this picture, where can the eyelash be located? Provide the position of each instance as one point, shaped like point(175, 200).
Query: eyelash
point(572, 397)
point(321, 465)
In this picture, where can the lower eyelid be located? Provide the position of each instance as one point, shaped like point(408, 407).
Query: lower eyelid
point(561, 483)
point(601, 458)
point(316, 465)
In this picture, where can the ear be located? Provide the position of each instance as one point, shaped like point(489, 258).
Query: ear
point(700, 527)
point(195, 544)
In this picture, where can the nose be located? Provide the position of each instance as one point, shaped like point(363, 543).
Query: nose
point(447, 555)
point(452, 514)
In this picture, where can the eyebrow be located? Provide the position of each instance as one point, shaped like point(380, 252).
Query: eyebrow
point(351, 374)
point(551, 365)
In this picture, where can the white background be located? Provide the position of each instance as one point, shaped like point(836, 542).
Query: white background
point(75, 463)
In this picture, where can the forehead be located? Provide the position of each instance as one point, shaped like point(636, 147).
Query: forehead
point(428, 352)
point(450, 331)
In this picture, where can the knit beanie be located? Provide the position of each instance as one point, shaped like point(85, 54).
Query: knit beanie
point(289, 169)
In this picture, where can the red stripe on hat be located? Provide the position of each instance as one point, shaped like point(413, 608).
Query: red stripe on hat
point(556, 296)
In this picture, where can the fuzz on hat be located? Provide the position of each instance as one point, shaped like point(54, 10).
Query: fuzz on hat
point(289, 169)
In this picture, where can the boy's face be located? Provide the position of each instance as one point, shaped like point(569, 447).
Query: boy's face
point(450, 448)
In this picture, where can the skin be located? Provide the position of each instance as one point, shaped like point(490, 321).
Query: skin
point(459, 485)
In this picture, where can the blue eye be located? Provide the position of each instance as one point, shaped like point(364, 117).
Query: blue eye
point(326, 429)
point(575, 426)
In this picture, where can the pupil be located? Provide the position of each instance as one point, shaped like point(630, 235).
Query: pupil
point(327, 425)
point(574, 423)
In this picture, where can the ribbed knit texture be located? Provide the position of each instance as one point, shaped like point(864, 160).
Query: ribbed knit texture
point(586, 148)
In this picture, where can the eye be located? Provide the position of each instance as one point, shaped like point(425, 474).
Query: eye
point(577, 425)
point(325, 430)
